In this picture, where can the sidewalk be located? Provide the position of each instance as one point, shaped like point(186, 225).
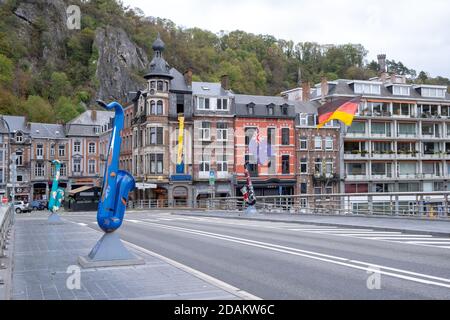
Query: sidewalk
point(402, 224)
point(43, 253)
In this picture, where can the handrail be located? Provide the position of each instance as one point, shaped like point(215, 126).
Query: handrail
point(6, 221)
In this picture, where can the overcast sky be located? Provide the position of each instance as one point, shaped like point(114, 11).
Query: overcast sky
point(415, 32)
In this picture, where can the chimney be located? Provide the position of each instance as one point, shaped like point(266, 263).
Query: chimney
point(188, 77)
point(94, 115)
point(225, 82)
point(306, 92)
point(382, 63)
point(324, 88)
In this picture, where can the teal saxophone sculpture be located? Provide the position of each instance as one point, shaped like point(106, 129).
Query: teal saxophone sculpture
point(117, 184)
point(57, 193)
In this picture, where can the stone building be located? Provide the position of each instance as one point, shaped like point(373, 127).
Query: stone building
point(213, 139)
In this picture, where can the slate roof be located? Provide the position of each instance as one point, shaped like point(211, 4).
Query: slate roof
point(16, 123)
point(210, 89)
point(178, 82)
point(343, 87)
point(86, 118)
point(47, 131)
point(261, 103)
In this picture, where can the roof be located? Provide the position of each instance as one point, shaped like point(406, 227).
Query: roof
point(210, 89)
point(261, 103)
point(307, 107)
point(16, 123)
point(85, 118)
point(178, 82)
point(342, 87)
point(46, 130)
point(158, 67)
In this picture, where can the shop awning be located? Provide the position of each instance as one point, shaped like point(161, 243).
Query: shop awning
point(144, 186)
point(82, 189)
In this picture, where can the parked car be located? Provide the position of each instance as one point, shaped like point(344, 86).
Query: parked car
point(38, 205)
point(21, 206)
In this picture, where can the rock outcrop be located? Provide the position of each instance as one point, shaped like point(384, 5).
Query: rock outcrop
point(119, 65)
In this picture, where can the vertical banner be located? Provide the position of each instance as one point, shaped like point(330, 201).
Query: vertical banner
point(180, 162)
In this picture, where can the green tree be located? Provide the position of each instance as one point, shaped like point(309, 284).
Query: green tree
point(59, 85)
point(65, 109)
point(39, 110)
point(6, 70)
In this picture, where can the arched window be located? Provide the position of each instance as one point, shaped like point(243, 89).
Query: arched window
point(19, 137)
point(160, 108)
point(166, 86)
point(152, 107)
point(152, 84)
point(160, 86)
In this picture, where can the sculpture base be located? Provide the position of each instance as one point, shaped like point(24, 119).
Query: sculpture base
point(54, 218)
point(251, 210)
point(109, 252)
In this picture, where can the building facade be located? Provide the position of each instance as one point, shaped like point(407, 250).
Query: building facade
point(48, 142)
point(318, 153)
point(213, 139)
point(271, 121)
point(400, 138)
point(83, 135)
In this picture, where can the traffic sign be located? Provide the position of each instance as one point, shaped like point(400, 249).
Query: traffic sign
point(212, 178)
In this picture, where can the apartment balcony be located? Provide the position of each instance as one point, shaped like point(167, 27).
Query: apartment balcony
point(407, 156)
point(362, 135)
point(383, 156)
point(357, 177)
point(381, 176)
point(435, 156)
point(381, 135)
point(408, 136)
point(409, 176)
point(432, 136)
point(356, 155)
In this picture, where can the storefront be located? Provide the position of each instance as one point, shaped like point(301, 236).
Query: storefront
point(274, 187)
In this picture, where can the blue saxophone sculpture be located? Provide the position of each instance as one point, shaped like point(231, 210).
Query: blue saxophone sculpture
point(117, 184)
point(57, 194)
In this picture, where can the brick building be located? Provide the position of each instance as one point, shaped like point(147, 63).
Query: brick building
point(274, 117)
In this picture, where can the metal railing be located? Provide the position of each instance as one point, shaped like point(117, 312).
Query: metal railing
point(6, 221)
point(429, 205)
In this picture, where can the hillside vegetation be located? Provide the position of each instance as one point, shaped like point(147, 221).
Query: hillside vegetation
point(51, 74)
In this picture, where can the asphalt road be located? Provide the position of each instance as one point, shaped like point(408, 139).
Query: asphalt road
point(278, 260)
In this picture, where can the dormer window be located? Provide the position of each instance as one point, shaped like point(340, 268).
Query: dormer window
point(270, 109)
point(19, 137)
point(251, 108)
point(401, 91)
point(284, 110)
point(367, 88)
point(433, 92)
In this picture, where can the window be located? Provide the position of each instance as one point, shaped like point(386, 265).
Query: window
point(382, 147)
point(318, 143)
point(382, 169)
point(222, 131)
point(40, 150)
point(284, 110)
point(251, 109)
point(203, 103)
point(318, 166)
point(76, 166)
point(156, 163)
point(366, 88)
point(357, 127)
point(303, 119)
point(383, 188)
point(222, 164)
point(401, 91)
point(357, 188)
point(205, 131)
point(356, 169)
point(381, 128)
point(62, 150)
point(407, 169)
point(205, 163)
point(270, 138)
point(303, 143)
point(19, 137)
point(249, 133)
point(433, 92)
point(160, 86)
point(329, 167)
point(222, 104)
point(303, 188)
point(63, 170)
point(329, 143)
point(407, 129)
point(52, 150)
point(19, 158)
point(153, 108)
point(160, 109)
point(304, 166)
point(91, 166)
point(19, 178)
point(409, 187)
point(92, 147)
point(285, 164)
point(285, 136)
point(39, 170)
point(77, 147)
point(152, 84)
point(270, 110)
point(156, 136)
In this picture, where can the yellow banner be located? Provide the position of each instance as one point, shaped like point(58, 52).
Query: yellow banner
point(180, 140)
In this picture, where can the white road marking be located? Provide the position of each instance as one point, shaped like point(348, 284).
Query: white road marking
point(401, 274)
point(82, 224)
point(426, 242)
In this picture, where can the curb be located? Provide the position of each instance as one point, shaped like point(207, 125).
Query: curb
point(325, 224)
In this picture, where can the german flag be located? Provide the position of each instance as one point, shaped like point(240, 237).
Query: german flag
point(343, 109)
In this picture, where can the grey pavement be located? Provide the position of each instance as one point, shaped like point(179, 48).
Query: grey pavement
point(440, 227)
point(42, 254)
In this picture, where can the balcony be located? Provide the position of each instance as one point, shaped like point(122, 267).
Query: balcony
point(326, 177)
point(388, 155)
point(407, 155)
point(409, 176)
point(356, 135)
point(434, 155)
point(355, 155)
point(357, 177)
point(409, 136)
